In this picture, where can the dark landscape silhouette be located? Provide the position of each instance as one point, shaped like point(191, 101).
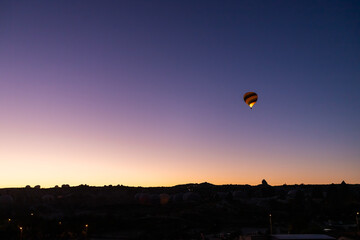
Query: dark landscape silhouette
point(189, 211)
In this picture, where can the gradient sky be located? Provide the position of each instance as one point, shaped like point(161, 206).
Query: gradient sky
point(150, 93)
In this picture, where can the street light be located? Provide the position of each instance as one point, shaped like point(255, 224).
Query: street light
point(86, 230)
point(21, 231)
point(357, 220)
point(270, 224)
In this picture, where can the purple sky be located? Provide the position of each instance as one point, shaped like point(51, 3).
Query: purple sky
point(150, 92)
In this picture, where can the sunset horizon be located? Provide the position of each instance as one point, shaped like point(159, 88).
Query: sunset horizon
point(151, 93)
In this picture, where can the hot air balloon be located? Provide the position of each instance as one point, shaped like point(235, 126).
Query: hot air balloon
point(250, 98)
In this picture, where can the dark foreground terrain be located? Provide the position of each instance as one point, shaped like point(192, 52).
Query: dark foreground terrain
point(191, 211)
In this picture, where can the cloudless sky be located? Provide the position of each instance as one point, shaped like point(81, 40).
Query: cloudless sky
point(150, 93)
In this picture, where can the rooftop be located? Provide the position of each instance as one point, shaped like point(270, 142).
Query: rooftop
point(302, 236)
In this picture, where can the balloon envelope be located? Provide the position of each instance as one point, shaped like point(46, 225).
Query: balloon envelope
point(250, 98)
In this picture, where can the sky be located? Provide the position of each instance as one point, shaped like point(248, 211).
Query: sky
point(150, 93)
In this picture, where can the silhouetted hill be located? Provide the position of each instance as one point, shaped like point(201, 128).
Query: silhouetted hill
point(179, 212)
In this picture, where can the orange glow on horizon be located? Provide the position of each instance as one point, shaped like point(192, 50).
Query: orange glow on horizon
point(50, 156)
